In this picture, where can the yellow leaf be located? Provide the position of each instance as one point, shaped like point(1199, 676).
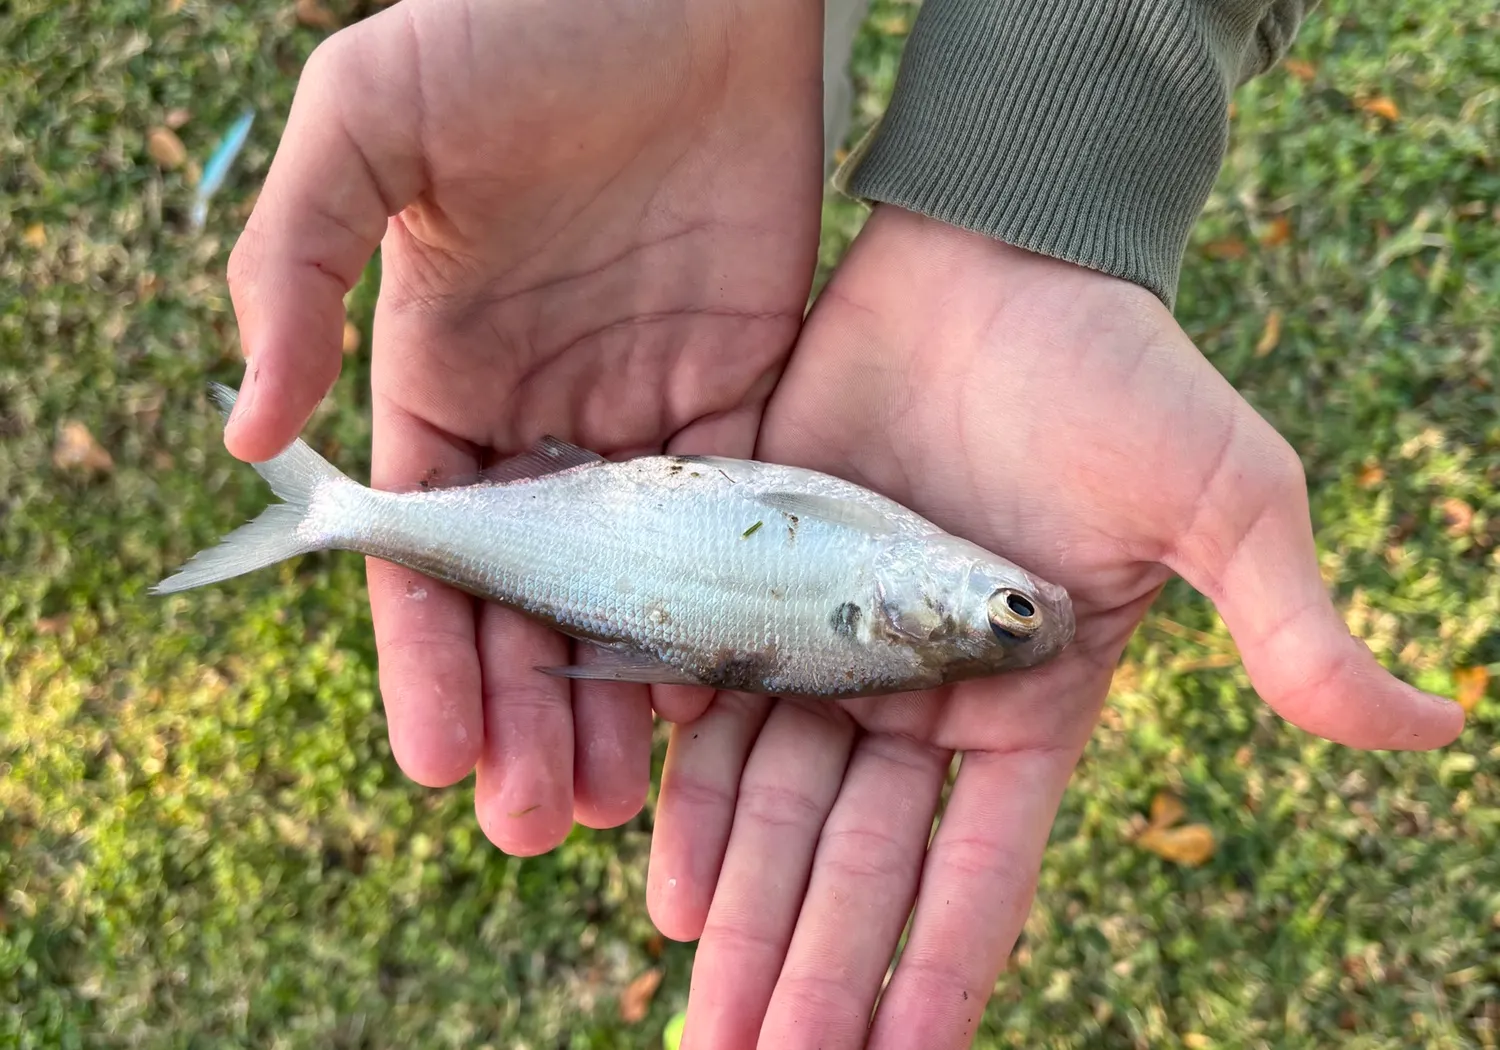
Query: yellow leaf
point(351, 337)
point(1381, 106)
point(1166, 809)
point(636, 999)
point(1189, 845)
point(1370, 475)
point(893, 25)
point(35, 236)
point(77, 449)
point(165, 147)
point(1279, 231)
point(1472, 682)
point(1270, 335)
point(1196, 1041)
point(1226, 248)
point(1302, 70)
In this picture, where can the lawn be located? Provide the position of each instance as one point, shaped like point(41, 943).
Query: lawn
point(204, 840)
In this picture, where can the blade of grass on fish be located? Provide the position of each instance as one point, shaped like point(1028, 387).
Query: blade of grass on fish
point(219, 163)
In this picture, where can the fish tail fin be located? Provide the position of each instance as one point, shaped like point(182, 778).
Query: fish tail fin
point(283, 530)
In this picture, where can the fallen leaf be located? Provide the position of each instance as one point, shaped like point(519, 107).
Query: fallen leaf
point(35, 236)
point(636, 999)
point(314, 15)
point(146, 287)
point(173, 6)
point(177, 118)
point(1189, 845)
point(1381, 106)
point(1458, 516)
point(1471, 682)
point(1166, 809)
point(893, 25)
point(1196, 1041)
point(1243, 756)
point(655, 946)
point(1370, 475)
point(1278, 231)
point(1303, 70)
point(166, 148)
point(1270, 335)
point(76, 449)
point(1234, 110)
point(351, 337)
point(1226, 248)
point(840, 155)
point(52, 625)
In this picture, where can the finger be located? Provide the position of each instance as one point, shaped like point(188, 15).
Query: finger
point(612, 748)
point(695, 810)
point(1251, 551)
point(523, 792)
point(424, 630)
point(787, 791)
point(863, 882)
point(977, 886)
point(348, 160)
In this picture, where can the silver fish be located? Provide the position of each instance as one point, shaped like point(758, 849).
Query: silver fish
point(693, 570)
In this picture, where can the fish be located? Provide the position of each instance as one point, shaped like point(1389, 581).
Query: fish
point(737, 574)
point(219, 163)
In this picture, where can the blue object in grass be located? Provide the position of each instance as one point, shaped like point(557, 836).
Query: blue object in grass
point(217, 168)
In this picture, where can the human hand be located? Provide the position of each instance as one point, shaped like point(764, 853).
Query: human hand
point(597, 222)
point(1061, 418)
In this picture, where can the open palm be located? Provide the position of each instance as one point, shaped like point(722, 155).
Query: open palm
point(1058, 417)
point(596, 223)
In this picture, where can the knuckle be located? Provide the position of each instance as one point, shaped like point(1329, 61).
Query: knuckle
point(776, 807)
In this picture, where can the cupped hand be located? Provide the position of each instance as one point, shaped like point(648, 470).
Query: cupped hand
point(1061, 418)
point(596, 221)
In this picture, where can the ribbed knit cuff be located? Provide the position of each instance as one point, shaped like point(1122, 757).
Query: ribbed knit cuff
point(1087, 130)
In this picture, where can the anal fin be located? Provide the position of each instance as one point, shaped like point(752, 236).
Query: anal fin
point(620, 665)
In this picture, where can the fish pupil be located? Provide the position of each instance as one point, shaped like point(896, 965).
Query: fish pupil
point(1019, 605)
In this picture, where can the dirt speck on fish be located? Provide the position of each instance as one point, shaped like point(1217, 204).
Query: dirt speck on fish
point(855, 596)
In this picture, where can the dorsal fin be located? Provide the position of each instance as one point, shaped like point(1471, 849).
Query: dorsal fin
point(547, 455)
point(830, 509)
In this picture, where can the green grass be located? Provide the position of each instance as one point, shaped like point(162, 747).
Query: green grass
point(204, 840)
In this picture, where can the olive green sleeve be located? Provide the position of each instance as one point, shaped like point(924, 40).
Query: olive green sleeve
point(1087, 130)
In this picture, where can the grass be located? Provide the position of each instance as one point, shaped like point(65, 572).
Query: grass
point(204, 840)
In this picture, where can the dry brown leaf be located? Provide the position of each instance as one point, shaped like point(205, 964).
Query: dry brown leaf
point(177, 118)
point(1166, 809)
point(314, 15)
point(1458, 516)
point(840, 155)
point(1471, 682)
point(655, 946)
point(1381, 106)
point(35, 236)
point(76, 449)
point(1301, 69)
point(1270, 335)
point(351, 337)
point(52, 624)
point(166, 148)
point(1226, 248)
point(1278, 231)
point(1370, 475)
point(173, 6)
point(1243, 756)
point(636, 999)
point(1189, 845)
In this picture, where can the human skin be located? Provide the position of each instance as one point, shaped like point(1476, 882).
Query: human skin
point(595, 222)
point(1062, 418)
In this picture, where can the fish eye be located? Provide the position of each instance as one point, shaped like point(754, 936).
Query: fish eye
point(1013, 615)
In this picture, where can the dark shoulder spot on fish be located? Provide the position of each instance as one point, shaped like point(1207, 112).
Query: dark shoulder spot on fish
point(845, 619)
point(675, 468)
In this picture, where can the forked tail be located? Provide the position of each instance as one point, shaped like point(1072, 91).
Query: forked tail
point(299, 476)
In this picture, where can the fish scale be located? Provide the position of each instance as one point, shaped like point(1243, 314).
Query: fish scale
point(691, 569)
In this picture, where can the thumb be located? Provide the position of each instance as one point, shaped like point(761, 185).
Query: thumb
point(348, 160)
point(1250, 550)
